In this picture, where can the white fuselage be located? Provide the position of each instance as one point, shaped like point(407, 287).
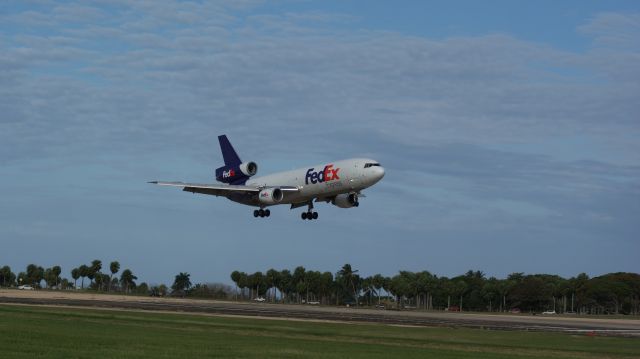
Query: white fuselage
point(324, 181)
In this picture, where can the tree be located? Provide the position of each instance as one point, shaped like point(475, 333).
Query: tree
point(48, 278)
point(243, 283)
point(94, 269)
point(399, 287)
point(159, 290)
point(272, 281)
point(378, 282)
point(285, 284)
point(298, 284)
point(84, 272)
point(312, 281)
point(531, 294)
point(143, 289)
point(459, 289)
point(257, 281)
point(34, 275)
point(102, 280)
point(75, 274)
point(7, 277)
point(181, 282)
point(56, 270)
point(127, 280)
point(52, 276)
point(326, 285)
point(491, 291)
point(351, 279)
point(235, 277)
point(114, 267)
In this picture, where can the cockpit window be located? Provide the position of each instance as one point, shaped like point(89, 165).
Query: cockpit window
point(367, 165)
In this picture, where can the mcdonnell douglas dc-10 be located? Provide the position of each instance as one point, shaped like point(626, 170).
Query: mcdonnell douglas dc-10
point(339, 183)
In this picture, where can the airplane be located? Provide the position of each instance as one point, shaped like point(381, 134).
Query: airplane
point(339, 183)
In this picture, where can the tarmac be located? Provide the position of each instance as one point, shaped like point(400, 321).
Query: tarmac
point(585, 325)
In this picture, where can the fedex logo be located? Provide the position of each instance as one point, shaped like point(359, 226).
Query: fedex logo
point(327, 174)
point(229, 173)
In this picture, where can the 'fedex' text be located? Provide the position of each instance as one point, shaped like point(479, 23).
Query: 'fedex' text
point(327, 174)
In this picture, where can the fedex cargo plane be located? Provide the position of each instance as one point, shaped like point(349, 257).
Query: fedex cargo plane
point(339, 183)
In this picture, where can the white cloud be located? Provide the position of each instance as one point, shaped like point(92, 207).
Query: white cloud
point(131, 80)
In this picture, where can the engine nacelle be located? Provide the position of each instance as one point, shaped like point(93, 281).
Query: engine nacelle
point(346, 200)
point(270, 196)
point(249, 168)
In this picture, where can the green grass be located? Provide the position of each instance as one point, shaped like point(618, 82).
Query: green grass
point(36, 332)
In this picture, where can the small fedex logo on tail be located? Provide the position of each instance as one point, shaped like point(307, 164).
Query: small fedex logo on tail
point(327, 174)
point(228, 174)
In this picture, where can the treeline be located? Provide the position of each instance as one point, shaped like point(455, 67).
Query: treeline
point(101, 280)
point(614, 293)
point(39, 277)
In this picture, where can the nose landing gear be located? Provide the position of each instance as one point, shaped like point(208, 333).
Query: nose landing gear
point(261, 213)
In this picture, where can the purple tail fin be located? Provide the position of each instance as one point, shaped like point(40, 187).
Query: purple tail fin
point(230, 156)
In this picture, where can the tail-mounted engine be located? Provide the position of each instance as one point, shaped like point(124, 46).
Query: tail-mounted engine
point(270, 196)
point(346, 200)
point(236, 174)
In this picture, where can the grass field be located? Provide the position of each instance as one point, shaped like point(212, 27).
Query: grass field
point(49, 332)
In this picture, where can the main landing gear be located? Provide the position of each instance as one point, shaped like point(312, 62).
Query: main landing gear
point(309, 214)
point(261, 213)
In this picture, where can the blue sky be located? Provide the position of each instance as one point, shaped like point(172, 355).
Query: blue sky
point(508, 130)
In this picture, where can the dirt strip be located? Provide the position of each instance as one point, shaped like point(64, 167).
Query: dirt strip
point(587, 325)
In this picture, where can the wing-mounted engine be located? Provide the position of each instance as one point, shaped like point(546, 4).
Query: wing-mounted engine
point(346, 200)
point(270, 196)
point(236, 174)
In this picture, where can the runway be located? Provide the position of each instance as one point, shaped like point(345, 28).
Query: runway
point(523, 322)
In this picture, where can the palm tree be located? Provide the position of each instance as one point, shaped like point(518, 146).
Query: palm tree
point(127, 279)
point(298, 281)
point(272, 281)
point(460, 287)
point(326, 284)
point(35, 274)
point(94, 269)
point(399, 287)
point(350, 278)
point(235, 277)
point(258, 281)
point(285, 283)
point(378, 283)
point(181, 282)
point(84, 272)
point(114, 267)
point(243, 283)
point(367, 288)
point(75, 274)
point(56, 270)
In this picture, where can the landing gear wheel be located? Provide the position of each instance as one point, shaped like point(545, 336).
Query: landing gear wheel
point(256, 213)
point(261, 212)
point(315, 215)
point(309, 215)
point(304, 215)
point(267, 213)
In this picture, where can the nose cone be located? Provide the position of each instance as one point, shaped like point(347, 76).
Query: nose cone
point(378, 173)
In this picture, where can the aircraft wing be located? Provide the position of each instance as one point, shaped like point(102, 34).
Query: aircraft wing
point(219, 189)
